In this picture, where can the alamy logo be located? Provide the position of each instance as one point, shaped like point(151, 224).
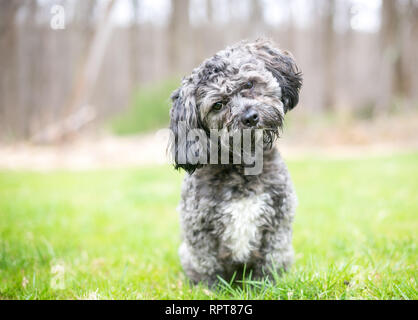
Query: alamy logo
point(241, 147)
point(58, 17)
point(57, 279)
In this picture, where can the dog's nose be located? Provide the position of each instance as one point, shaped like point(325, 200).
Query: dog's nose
point(250, 118)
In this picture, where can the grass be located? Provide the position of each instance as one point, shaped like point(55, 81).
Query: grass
point(114, 234)
point(148, 110)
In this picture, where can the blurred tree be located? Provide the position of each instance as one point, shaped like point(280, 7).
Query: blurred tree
point(47, 75)
point(83, 23)
point(209, 11)
point(178, 34)
point(133, 42)
point(291, 32)
point(392, 44)
point(256, 17)
point(203, 39)
point(8, 62)
point(31, 98)
point(345, 42)
point(413, 49)
point(329, 54)
point(78, 111)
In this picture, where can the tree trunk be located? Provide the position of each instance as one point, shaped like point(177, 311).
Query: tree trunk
point(329, 56)
point(392, 43)
point(9, 110)
point(134, 38)
point(178, 34)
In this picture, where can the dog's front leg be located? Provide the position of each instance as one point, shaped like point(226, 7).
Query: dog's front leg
point(278, 253)
point(199, 263)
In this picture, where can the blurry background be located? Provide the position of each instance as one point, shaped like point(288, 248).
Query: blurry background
point(72, 69)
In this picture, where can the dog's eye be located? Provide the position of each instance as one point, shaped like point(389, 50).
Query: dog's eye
point(248, 85)
point(218, 105)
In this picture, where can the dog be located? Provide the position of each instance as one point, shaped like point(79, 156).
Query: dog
point(232, 222)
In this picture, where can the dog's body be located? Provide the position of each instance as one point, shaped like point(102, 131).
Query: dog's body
point(231, 220)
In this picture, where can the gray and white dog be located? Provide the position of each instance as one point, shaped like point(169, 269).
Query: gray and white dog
point(232, 221)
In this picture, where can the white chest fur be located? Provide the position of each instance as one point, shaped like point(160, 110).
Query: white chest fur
point(242, 234)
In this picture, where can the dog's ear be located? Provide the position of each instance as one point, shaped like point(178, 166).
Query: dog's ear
point(184, 118)
point(283, 67)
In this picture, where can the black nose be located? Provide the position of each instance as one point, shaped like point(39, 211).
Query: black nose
point(250, 118)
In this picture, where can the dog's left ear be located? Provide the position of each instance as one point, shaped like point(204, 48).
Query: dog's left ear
point(283, 67)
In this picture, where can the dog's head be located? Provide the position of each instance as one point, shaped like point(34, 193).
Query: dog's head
point(250, 85)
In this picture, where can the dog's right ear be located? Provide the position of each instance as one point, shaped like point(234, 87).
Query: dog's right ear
point(184, 118)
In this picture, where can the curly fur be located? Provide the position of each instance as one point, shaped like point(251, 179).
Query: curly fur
point(230, 219)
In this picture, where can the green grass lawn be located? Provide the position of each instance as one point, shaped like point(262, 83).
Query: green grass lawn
point(114, 234)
